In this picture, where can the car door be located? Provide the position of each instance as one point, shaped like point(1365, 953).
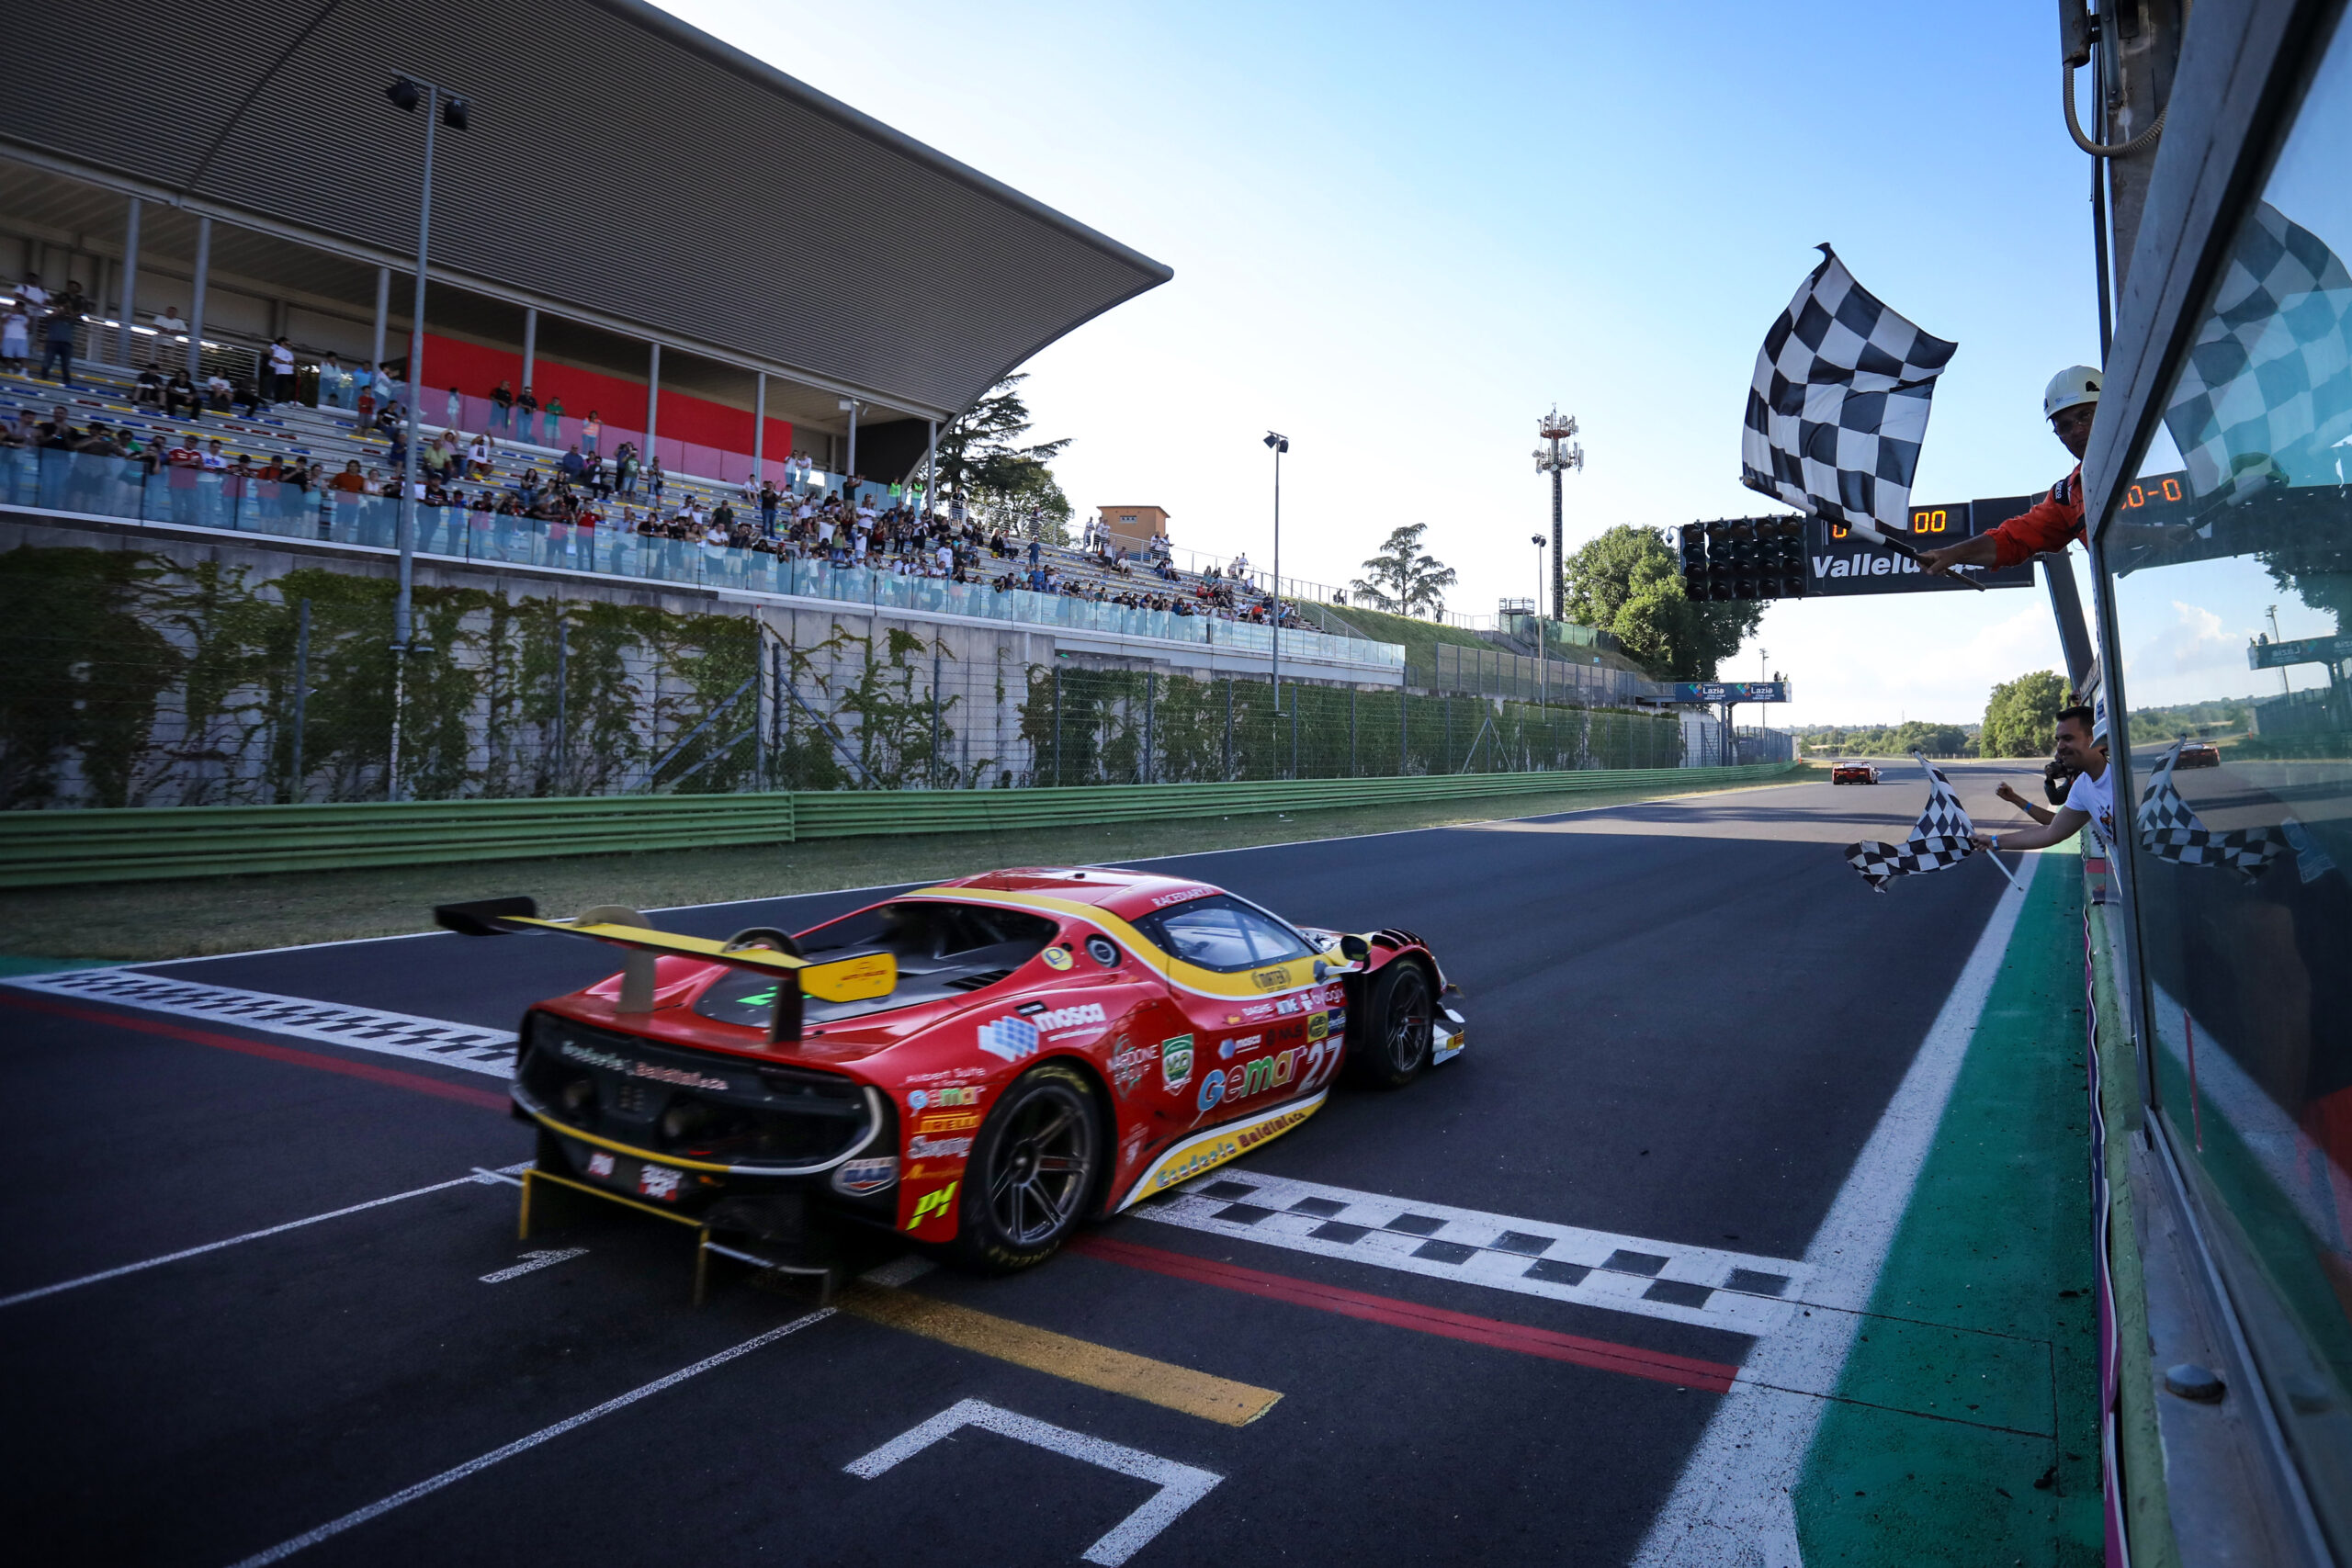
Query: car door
point(1245, 986)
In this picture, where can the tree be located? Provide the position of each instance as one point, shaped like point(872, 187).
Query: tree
point(2021, 719)
point(1628, 583)
point(1010, 486)
point(1404, 579)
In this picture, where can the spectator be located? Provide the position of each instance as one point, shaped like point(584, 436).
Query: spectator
point(526, 406)
point(457, 408)
point(769, 501)
point(590, 432)
point(149, 392)
point(480, 458)
point(502, 406)
point(56, 339)
point(2090, 799)
point(168, 322)
point(364, 405)
point(350, 482)
point(16, 337)
point(625, 468)
point(655, 479)
point(572, 464)
point(180, 396)
point(31, 294)
point(281, 371)
point(333, 383)
point(553, 418)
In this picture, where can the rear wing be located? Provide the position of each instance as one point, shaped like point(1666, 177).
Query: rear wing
point(859, 977)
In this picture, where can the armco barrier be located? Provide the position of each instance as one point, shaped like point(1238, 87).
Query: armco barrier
point(48, 849)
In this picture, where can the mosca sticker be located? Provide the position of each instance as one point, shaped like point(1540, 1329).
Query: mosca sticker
point(1176, 1062)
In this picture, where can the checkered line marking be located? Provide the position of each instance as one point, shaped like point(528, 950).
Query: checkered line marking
point(1737, 1292)
point(490, 1051)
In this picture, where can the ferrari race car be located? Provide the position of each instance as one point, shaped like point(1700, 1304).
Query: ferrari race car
point(1853, 772)
point(979, 1065)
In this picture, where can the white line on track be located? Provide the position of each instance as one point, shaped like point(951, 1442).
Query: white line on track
point(490, 1051)
point(533, 1262)
point(1180, 1485)
point(480, 1178)
point(333, 1528)
point(1707, 1286)
point(1733, 1504)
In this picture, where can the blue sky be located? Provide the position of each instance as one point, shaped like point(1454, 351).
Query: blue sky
point(1400, 233)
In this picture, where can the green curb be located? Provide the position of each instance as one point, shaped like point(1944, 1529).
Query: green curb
point(1965, 1430)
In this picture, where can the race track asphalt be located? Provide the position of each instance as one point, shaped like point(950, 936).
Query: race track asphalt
point(1687, 1017)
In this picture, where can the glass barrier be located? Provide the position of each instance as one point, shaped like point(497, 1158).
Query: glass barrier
point(2231, 579)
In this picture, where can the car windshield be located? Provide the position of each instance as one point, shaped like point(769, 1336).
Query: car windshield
point(1223, 932)
point(941, 950)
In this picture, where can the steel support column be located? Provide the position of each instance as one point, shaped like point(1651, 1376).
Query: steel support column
point(130, 278)
point(196, 300)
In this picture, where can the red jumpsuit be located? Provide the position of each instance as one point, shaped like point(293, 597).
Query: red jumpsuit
point(2051, 524)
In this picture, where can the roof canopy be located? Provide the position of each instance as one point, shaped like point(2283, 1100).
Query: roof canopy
point(618, 163)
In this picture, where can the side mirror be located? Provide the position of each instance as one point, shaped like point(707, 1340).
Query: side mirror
point(1354, 949)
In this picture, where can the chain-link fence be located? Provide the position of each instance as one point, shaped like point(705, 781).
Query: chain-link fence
point(137, 682)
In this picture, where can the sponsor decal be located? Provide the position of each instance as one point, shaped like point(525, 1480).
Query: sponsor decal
point(1176, 1062)
point(1057, 957)
point(1286, 1005)
point(920, 1147)
point(1211, 1088)
point(1271, 979)
point(948, 1074)
point(659, 1181)
point(935, 1204)
point(1009, 1038)
point(1129, 1062)
point(684, 1078)
point(1028, 1010)
point(600, 1164)
point(1232, 1048)
point(859, 1177)
point(1318, 1025)
point(1208, 1150)
point(1083, 1015)
point(1448, 1046)
point(957, 1121)
point(924, 1099)
point(1182, 896)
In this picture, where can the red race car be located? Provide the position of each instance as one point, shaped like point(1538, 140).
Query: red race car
point(980, 1065)
point(1853, 772)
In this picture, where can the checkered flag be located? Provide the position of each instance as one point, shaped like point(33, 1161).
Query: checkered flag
point(2267, 388)
point(1942, 837)
point(1839, 403)
point(2170, 831)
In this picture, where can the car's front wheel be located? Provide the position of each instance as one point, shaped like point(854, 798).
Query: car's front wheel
point(1399, 1016)
point(1033, 1170)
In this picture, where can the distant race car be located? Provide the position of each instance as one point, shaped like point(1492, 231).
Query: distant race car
point(980, 1065)
point(2198, 754)
point(1853, 772)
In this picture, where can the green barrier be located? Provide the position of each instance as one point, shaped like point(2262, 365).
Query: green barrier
point(48, 849)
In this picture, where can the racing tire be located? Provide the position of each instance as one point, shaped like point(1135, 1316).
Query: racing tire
point(1400, 1017)
point(1033, 1172)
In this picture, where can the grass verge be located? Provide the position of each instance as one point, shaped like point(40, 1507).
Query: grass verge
point(187, 918)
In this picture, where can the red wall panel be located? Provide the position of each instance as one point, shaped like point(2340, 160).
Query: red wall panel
point(475, 370)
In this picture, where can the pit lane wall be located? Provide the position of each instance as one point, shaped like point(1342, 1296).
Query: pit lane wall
point(41, 848)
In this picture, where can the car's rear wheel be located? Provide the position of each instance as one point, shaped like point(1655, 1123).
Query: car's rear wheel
point(1399, 1017)
point(1033, 1171)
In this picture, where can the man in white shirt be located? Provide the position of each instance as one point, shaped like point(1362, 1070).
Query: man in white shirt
point(2090, 800)
point(168, 322)
point(281, 371)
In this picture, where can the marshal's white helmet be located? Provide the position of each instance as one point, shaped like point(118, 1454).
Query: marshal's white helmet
point(2074, 385)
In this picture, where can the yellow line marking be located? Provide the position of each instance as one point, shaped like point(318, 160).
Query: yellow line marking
point(1221, 1400)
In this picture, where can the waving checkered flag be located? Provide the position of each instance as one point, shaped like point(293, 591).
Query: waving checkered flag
point(2170, 831)
point(2267, 387)
point(1943, 836)
point(1839, 403)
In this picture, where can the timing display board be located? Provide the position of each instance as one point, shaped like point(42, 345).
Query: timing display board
point(1838, 564)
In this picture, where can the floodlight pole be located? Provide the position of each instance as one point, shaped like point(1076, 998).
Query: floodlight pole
point(403, 617)
point(1281, 443)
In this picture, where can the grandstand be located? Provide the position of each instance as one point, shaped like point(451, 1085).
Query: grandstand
point(680, 310)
